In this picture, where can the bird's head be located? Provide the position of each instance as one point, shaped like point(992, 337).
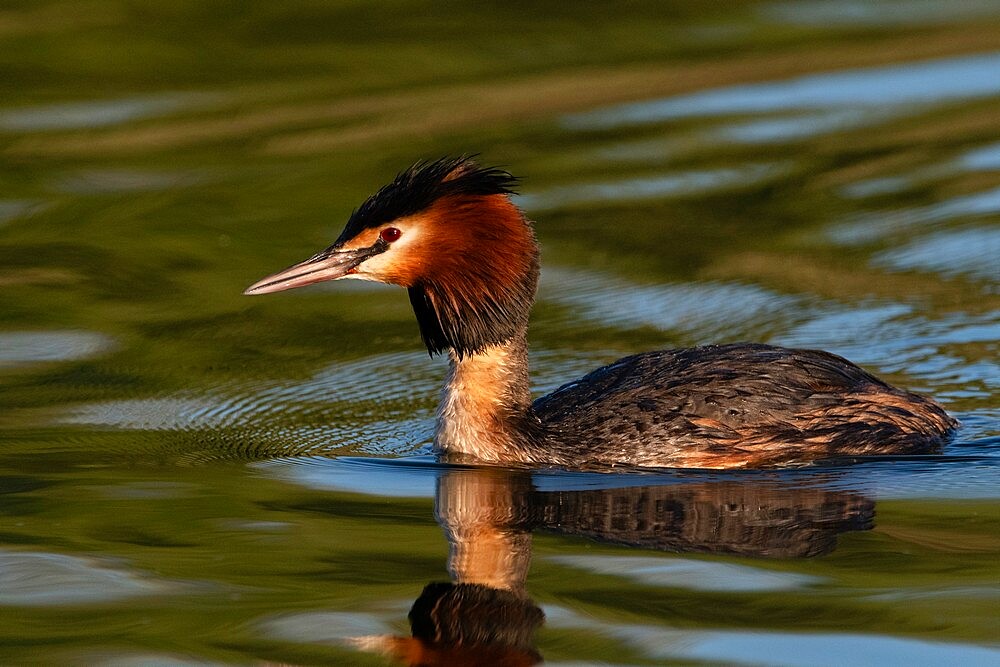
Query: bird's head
point(448, 232)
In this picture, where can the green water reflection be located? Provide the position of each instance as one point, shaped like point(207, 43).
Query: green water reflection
point(176, 480)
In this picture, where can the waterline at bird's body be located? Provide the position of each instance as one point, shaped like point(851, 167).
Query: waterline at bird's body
point(448, 232)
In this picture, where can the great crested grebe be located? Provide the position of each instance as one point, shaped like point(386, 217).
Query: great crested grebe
point(448, 232)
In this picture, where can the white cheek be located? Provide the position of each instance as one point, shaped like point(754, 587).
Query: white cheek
point(378, 266)
point(372, 269)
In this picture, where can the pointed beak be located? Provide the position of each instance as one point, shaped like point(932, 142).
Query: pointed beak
point(330, 264)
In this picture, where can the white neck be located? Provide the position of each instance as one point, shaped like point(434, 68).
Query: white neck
point(486, 407)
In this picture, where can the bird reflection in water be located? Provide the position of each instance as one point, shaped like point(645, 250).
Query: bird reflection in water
point(485, 616)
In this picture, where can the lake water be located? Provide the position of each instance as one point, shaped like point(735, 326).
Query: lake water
point(189, 476)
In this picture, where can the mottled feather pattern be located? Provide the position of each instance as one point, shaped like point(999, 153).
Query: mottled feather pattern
point(738, 405)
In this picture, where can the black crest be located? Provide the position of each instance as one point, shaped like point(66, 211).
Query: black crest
point(418, 187)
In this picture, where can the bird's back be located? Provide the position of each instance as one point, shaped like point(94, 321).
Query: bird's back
point(736, 405)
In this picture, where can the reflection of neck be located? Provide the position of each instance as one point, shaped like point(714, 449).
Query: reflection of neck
point(488, 514)
point(480, 513)
point(486, 411)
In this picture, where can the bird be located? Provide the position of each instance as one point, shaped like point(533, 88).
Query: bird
point(449, 232)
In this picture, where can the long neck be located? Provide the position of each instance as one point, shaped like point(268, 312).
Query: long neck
point(485, 411)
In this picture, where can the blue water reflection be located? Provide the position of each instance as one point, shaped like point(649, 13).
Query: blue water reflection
point(900, 88)
point(99, 113)
point(869, 227)
point(774, 648)
point(678, 184)
point(971, 471)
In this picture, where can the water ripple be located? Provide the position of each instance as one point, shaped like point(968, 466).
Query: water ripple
point(35, 578)
point(791, 128)
point(890, 338)
point(968, 471)
point(26, 347)
point(800, 649)
point(348, 406)
point(825, 13)
point(871, 227)
point(324, 627)
point(708, 309)
point(11, 209)
point(686, 183)
point(983, 159)
point(98, 113)
point(110, 181)
point(903, 88)
point(691, 574)
point(974, 252)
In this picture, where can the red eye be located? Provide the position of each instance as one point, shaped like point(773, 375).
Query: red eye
point(390, 234)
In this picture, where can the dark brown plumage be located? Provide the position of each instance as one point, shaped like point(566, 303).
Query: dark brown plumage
point(448, 232)
point(740, 405)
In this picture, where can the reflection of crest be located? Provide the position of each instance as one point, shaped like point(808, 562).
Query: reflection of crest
point(486, 616)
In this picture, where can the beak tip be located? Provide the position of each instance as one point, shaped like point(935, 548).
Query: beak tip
point(254, 289)
point(330, 264)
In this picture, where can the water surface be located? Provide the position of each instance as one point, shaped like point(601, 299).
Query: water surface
point(188, 476)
